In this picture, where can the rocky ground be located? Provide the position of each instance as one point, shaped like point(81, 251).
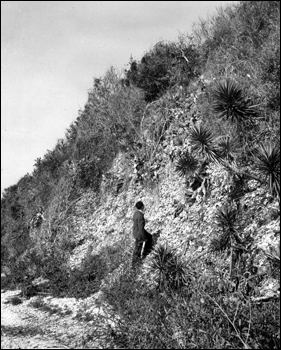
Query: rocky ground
point(46, 322)
point(50, 326)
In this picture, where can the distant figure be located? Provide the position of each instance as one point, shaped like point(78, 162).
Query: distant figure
point(37, 219)
point(143, 239)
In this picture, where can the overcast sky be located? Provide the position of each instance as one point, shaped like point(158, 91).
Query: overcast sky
point(52, 50)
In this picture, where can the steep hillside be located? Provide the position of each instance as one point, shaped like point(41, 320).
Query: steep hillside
point(185, 217)
point(192, 130)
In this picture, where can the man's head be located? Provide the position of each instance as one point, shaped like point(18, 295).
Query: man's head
point(140, 205)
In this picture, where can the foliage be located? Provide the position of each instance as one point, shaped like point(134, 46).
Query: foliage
point(226, 218)
point(86, 279)
point(36, 302)
point(229, 102)
point(267, 158)
point(169, 268)
point(162, 67)
point(243, 41)
point(228, 147)
point(15, 300)
point(204, 314)
point(88, 175)
point(202, 142)
point(142, 322)
point(155, 102)
point(186, 164)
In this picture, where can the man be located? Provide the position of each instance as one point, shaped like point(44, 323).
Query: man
point(143, 239)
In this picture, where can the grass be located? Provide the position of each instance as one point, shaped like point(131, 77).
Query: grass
point(201, 315)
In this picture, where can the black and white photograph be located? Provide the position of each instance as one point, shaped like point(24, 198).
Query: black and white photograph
point(140, 175)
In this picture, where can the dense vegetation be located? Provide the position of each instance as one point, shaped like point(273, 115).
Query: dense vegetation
point(221, 85)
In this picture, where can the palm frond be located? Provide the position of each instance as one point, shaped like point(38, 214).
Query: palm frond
point(186, 164)
point(267, 159)
point(230, 102)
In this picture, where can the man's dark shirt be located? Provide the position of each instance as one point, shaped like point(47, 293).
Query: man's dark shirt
point(138, 229)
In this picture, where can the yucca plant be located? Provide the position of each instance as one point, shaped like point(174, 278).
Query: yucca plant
point(169, 268)
point(230, 102)
point(267, 158)
point(226, 219)
point(228, 147)
point(186, 164)
point(202, 142)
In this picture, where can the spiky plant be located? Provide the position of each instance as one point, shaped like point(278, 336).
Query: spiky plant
point(186, 164)
point(230, 102)
point(169, 268)
point(228, 146)
point(267, 158)
point(226, 219)
point(202, 141)
point(219, 244)
point(238, 188)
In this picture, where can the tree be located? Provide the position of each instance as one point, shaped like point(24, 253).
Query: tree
point(162, 67)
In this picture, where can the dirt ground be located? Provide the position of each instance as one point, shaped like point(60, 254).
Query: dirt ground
point(26, 327)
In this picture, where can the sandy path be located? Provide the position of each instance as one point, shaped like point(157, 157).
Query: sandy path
point(24, 327)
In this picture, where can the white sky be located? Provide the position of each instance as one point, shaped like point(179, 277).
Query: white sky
point(52, 50)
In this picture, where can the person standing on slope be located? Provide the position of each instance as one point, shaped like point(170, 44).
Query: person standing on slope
point(143, 239)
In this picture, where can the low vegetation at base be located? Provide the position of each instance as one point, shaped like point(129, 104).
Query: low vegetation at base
point(194, 125)
point(210, 311)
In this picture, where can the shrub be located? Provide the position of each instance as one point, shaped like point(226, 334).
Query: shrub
point(170, 270)
point(15, 300)
point(88, 174)
point(206, 314)
point(162, 67)
point(142, 314)
point(37, 303)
